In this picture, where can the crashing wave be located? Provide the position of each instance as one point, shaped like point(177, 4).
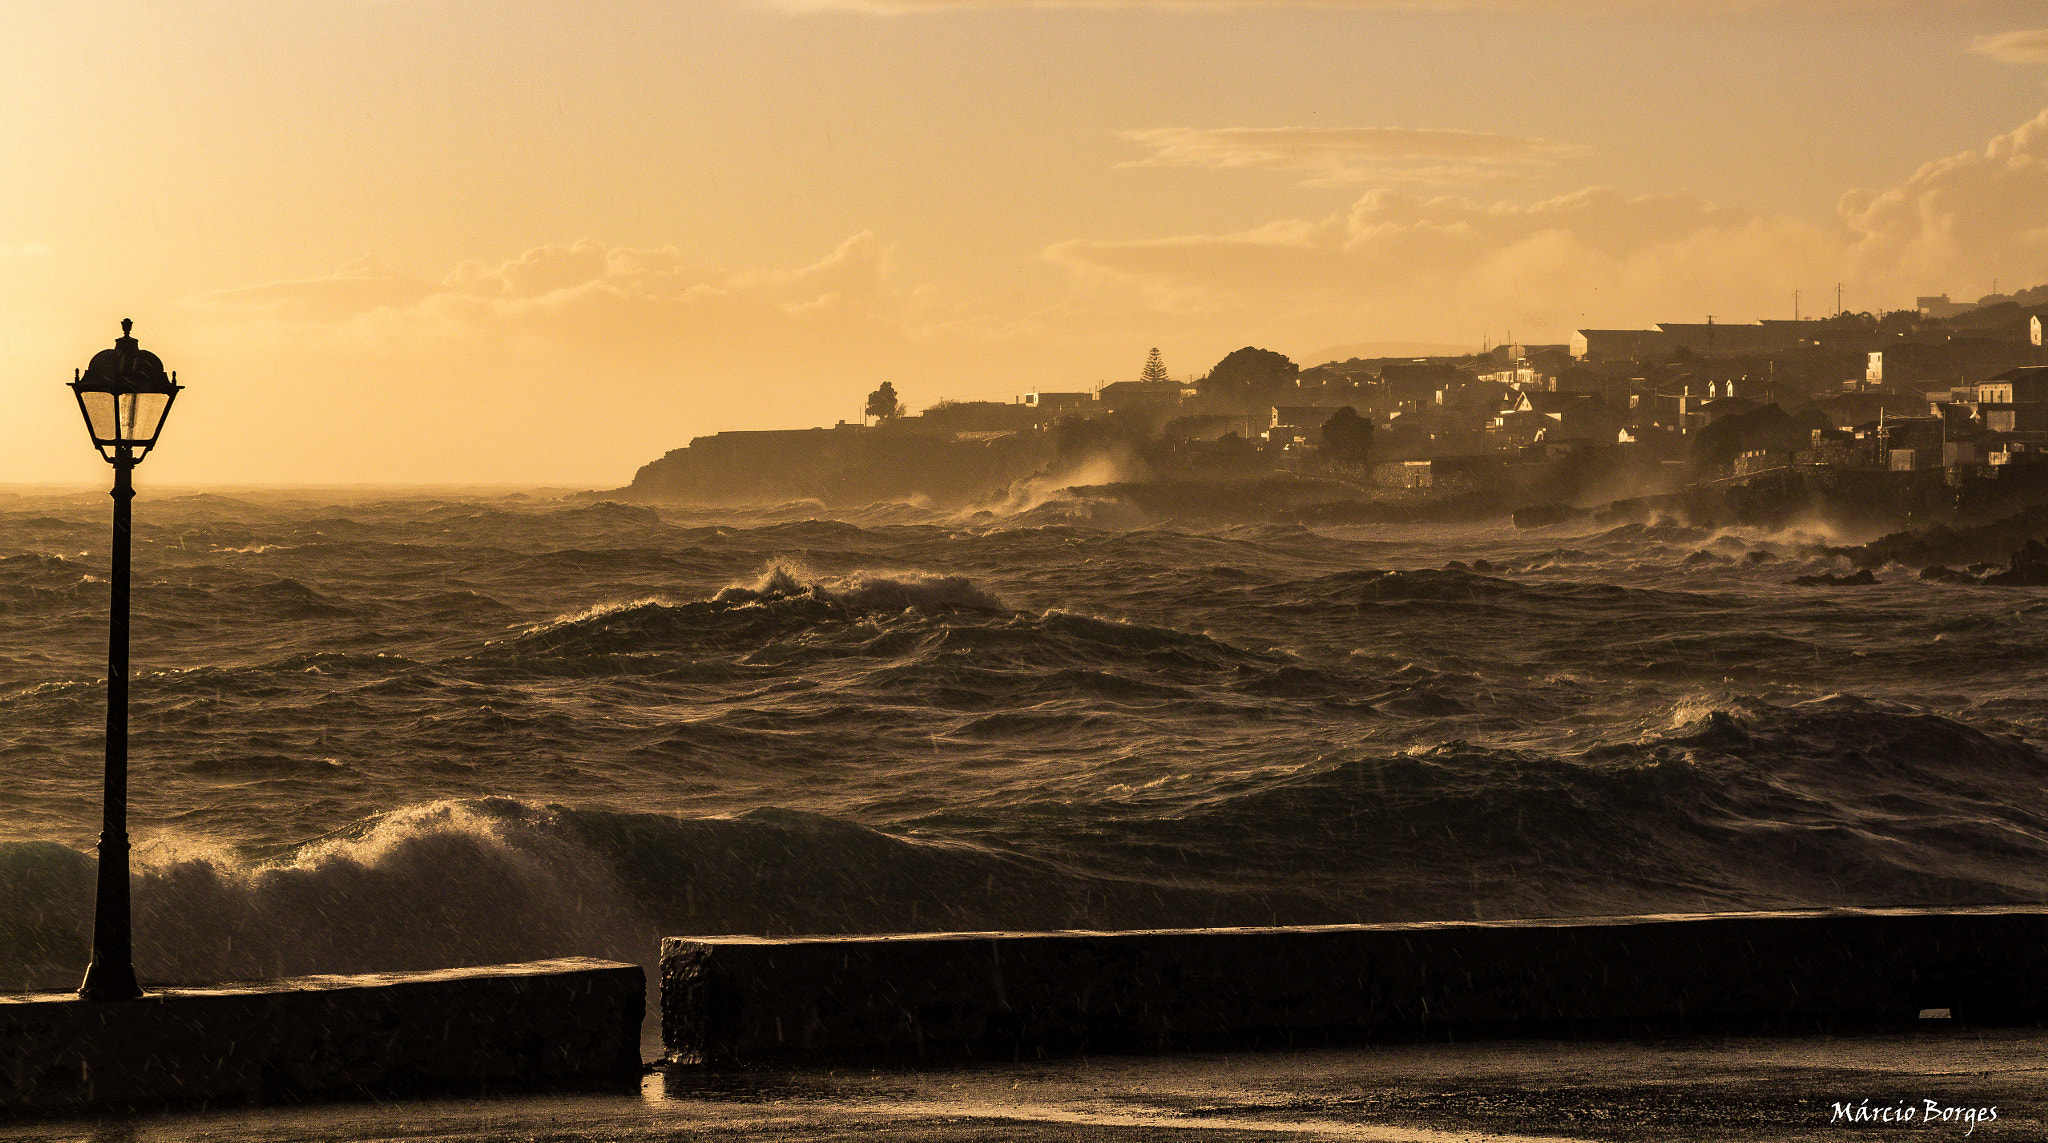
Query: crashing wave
point(864, 590)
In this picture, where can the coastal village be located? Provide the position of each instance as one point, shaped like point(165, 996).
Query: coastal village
point(1955, 392)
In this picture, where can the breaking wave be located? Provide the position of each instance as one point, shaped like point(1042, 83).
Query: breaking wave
point(865, 591)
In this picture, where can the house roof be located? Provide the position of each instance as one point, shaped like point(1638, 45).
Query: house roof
point(2023, 373)
point(1545, 402)
point(1305, 414)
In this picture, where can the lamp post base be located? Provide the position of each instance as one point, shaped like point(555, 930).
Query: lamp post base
point(109, 983)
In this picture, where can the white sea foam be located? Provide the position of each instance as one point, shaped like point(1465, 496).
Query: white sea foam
point(430, 885)
point(874, 590)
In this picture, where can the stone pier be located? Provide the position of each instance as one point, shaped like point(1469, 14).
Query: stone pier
point(1019, 995)
point(508, 1026)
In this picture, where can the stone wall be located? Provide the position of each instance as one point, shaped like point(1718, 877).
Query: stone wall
point(515, 1025)
point(1007, 995)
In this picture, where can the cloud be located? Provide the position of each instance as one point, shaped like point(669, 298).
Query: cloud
point(1440, 267)
point(1352, 155)
point(362, 285)
point(1444, 267)
point(1982, 213)
point(579, 289)
point(2023, 47)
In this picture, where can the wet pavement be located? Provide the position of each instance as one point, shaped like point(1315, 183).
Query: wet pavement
point(1708, 1088)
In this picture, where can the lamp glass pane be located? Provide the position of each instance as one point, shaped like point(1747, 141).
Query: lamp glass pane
point(99, 414)
point(141, 414)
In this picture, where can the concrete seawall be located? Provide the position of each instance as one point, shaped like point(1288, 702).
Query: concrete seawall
point(466, 1028)
point(1005, 995)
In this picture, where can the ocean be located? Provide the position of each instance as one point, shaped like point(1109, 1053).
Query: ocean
point(382, 731)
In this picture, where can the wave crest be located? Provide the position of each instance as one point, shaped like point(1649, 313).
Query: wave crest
point(864, 590)
point(426, 886)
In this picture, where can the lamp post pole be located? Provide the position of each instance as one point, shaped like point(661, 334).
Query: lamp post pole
point(111, 975)
point(125, 396)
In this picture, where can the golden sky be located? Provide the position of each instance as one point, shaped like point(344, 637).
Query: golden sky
point(542, 243)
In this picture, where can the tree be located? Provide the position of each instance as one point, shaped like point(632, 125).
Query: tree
point(1898, 321)
point(1346, 437)
point(1155, 370)
point(1250, 376)
point(882, 403)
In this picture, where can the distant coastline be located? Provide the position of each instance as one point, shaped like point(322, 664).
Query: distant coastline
point(1860, 422)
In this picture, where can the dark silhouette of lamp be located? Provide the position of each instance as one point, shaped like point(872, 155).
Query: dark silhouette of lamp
point(125, 396)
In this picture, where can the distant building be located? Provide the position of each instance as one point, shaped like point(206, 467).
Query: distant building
point(1301, 416)
point(2016, 452)
point(1715, 339)
point(1202, 427)
point(1837, 448)
point(1696, 393)
point(1418, 381)
point(2015, 386)
point(1118, 395)
point(1527, 416)
point(1519, 375)
point(972, 417)
point(1852, 409)
point(1618, 384)
point(1795, 332)
point(2014, 400)
point(1514, 352)
point(1619, 344)
point(1939, 306)
point(1719, 407)
point(1923, 435)
point(1049, 402)
point(1292, 423)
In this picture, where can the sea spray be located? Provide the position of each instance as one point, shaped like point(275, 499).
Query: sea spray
point(866, 590)
point(428, 885)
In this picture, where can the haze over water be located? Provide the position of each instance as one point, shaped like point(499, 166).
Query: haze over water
point(412, 732)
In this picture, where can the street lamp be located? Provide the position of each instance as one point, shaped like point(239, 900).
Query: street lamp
point(125, 397)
